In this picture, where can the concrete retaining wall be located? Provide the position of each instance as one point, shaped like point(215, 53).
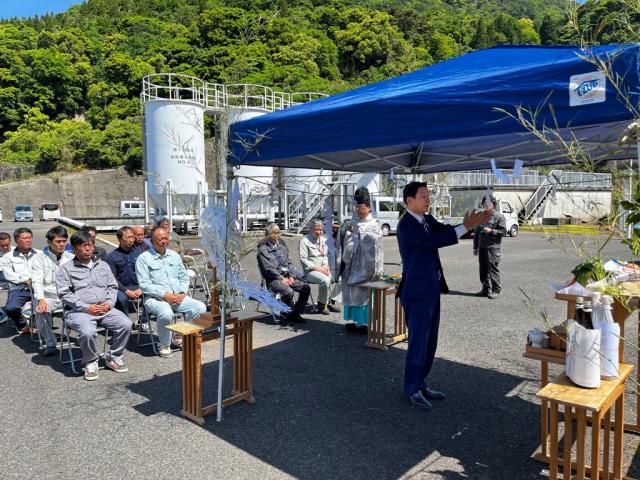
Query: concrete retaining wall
point(89, 194)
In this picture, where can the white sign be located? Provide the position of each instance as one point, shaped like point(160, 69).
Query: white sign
point(587, 88)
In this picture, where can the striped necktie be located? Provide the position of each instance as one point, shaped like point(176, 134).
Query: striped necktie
point(424, 223)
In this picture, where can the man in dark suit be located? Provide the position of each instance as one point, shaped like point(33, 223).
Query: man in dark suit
point(419, 238)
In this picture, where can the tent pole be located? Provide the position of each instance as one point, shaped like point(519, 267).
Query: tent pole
point(228, 183)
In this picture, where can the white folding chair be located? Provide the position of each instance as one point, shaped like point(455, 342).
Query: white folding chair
point(197, 265)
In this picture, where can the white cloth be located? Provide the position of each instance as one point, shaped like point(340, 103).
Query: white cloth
point(364, 260)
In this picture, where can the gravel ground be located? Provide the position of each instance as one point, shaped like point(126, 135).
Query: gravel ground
point(326, 406)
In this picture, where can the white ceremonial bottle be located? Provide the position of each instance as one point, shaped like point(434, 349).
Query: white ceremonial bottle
point(609, 339)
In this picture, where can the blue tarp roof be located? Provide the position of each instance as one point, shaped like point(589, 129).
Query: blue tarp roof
point(444, 118)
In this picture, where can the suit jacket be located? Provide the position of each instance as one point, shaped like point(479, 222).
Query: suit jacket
point(422, 276)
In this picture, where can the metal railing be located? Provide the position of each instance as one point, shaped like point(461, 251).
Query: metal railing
point(534, 202)
point(573, 180)
point(217, 97)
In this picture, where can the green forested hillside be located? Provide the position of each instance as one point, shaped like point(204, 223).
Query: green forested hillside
point(69, 83)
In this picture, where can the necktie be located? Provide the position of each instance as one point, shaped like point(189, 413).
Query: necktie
point(424, 223)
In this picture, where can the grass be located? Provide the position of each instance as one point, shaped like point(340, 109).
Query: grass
point(585, 229)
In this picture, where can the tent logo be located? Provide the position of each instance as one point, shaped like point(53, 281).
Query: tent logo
point(587, 88)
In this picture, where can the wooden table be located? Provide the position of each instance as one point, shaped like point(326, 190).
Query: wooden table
point(240, 326)
point(377, 336)
point(620, 313)
point(576, 402)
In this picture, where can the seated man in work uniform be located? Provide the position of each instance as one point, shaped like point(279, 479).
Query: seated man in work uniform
point(122, 262)
point(88, 291)
point(164, 280)
point(279, 273)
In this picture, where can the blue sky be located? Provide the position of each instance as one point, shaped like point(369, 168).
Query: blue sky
point(29, 8)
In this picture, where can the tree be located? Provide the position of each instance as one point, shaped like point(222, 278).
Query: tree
point(443, 47)
point(548, 31)
point(481, 38)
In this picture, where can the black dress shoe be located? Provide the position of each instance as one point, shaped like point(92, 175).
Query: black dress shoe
point(432, 394)
point(418, 401)
point(482, 293)
point(296, 318)
point(351, 327)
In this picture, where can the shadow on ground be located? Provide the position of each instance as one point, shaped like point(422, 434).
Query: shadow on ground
point(327, 407)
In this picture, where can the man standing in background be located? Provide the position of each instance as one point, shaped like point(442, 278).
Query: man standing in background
point(486, 246)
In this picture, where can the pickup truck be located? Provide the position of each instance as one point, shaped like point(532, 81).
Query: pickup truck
point(505, 208)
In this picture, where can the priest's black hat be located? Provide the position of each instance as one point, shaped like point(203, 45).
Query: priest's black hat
point(362, 196)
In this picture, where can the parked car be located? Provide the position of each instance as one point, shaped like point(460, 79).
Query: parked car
point(49, 211)
point(132, 208)
point(23, 213)
point(387, 212)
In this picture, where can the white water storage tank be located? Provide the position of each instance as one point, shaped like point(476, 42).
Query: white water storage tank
point(255, 182)
point(174, 148)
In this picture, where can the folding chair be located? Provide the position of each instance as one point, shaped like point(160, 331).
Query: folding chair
point(30, 314)
point(197, 265)
point(69, 346)
point(145, 319)
point(277, 296)
point(4, 287)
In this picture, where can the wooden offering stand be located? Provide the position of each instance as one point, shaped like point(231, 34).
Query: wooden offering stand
point(577, 402)
point(620, 314)
point(203, 329)
point(377, 335)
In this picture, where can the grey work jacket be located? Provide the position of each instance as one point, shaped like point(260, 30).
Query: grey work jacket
point(498, 225)
point(81, 285)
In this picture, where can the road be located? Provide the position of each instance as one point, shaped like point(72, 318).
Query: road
point(327, 407)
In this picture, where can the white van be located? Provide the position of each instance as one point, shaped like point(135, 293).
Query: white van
point(132, 208)
point(504, 207)
point(511, 216)
point(49, 211)
point(387, 212)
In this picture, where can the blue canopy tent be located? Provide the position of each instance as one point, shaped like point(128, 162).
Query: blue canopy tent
point(444, 118)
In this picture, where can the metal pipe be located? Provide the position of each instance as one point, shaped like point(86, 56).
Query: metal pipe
point(146, 201)
point(169, 205)
point(223, 300)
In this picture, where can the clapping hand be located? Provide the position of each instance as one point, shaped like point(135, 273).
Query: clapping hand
point(473, 219)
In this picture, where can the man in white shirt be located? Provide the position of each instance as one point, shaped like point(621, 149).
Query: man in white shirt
point(16, 267)
point(43, 284)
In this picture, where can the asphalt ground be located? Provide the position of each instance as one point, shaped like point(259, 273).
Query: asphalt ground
point(326, 406)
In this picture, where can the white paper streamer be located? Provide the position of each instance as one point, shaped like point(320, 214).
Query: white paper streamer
point(214, 230)
point(517, 169)
point(499, 174)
